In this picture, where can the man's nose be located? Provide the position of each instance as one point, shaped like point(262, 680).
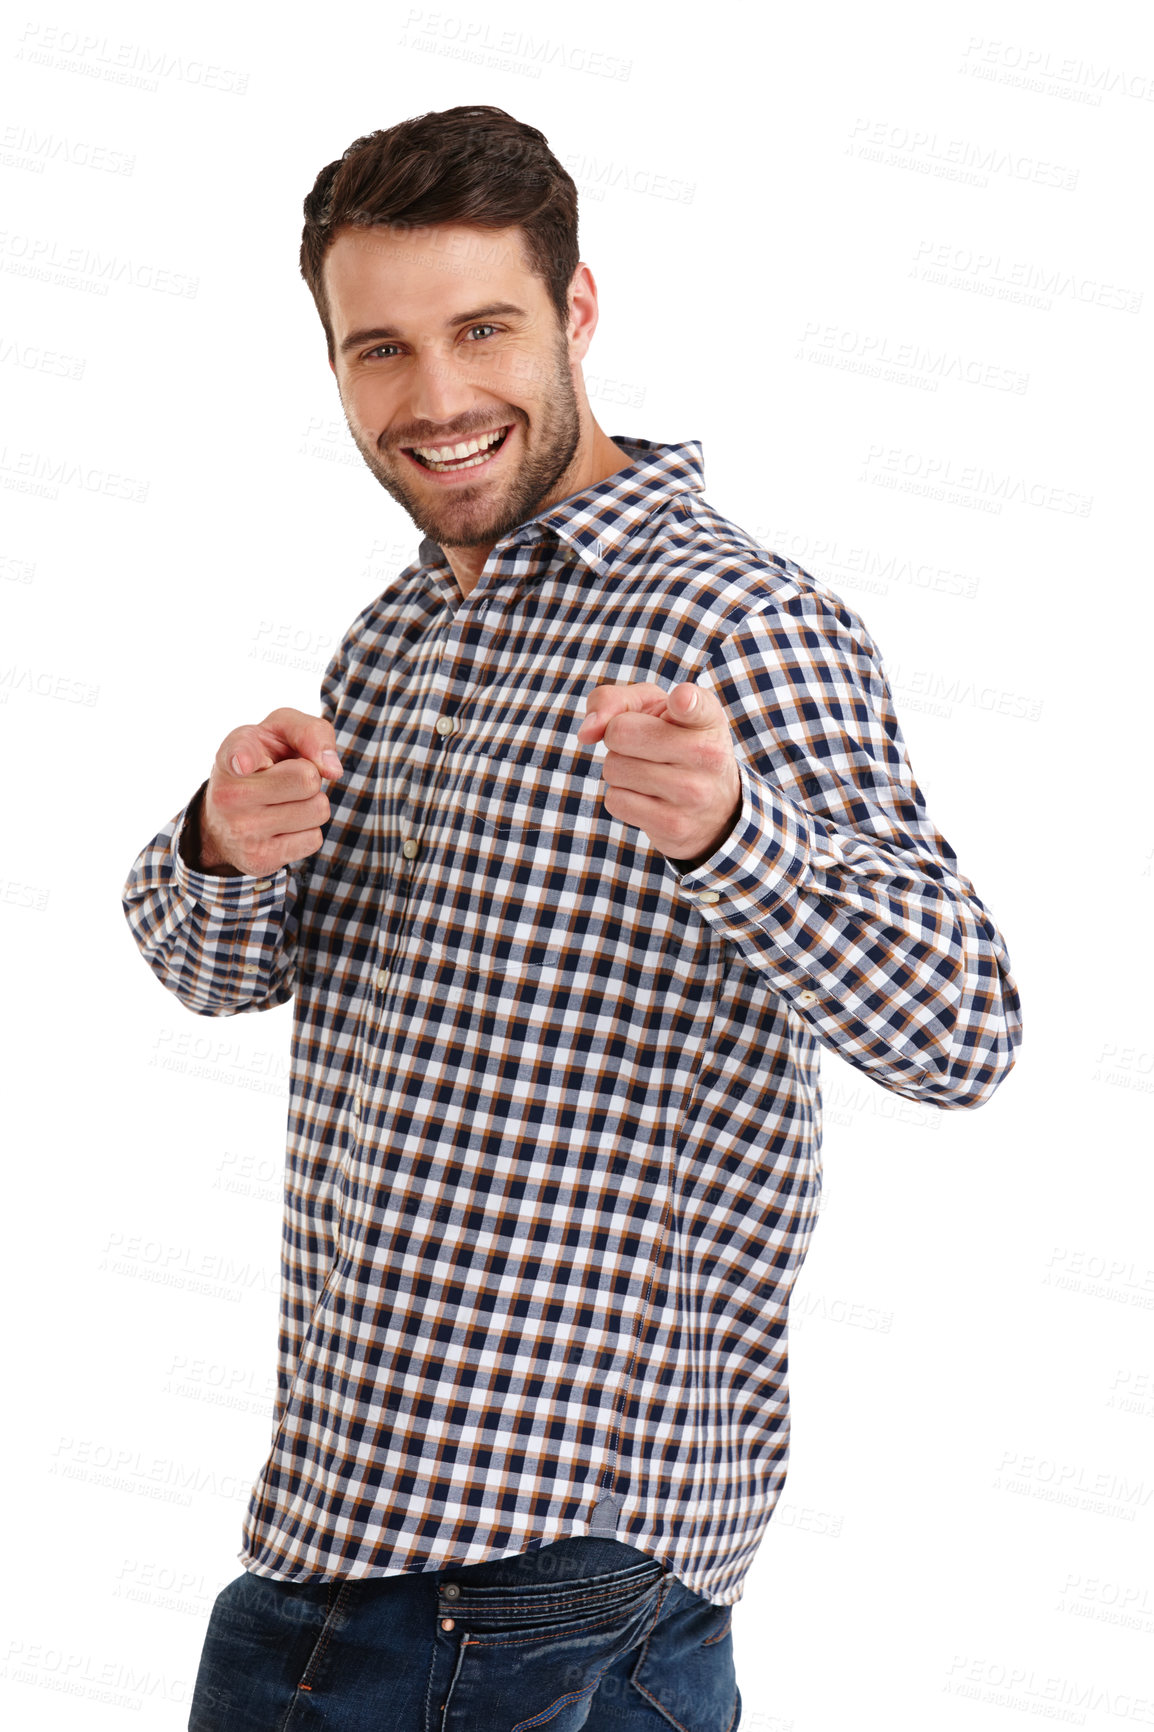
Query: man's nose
point(441, 389)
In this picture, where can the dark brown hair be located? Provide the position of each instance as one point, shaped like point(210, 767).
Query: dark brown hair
point(463, 165)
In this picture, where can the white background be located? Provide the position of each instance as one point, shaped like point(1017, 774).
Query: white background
point(891, 265)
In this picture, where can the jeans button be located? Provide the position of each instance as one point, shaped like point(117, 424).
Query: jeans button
point(451, 1591)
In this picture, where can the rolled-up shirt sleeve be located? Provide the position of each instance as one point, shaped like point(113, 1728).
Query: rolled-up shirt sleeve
point(834, 882)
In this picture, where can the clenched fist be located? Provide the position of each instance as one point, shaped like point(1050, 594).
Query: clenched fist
point(670, 766)
point(264, 803)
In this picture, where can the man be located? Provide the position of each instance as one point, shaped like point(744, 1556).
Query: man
point(605, 828)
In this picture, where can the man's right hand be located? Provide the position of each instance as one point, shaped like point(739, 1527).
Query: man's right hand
point(264, 803)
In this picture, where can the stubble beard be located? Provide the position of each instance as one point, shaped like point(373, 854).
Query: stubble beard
point(461, 519)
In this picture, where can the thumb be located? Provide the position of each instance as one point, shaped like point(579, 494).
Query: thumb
point(690, 707)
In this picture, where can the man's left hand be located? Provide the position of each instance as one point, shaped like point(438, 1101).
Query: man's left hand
point(669, 766)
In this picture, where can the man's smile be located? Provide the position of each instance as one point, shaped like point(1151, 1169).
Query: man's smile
point(464, 457)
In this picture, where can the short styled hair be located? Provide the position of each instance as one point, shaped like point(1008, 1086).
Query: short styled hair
point(463, 165)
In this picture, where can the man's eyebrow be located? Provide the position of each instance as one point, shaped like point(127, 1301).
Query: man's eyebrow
point(381, 333)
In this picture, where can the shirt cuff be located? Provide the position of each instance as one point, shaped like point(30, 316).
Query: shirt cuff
point(239, 895)
point(761, 864)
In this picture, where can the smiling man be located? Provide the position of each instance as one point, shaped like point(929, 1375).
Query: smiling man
point(554, 1130)
point(425, 406)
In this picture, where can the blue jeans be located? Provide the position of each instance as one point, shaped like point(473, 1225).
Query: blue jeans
point(584, 1632)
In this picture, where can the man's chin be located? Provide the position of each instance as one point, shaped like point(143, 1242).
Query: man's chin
point(463, 522)
point(461, 528)
point(462, 518)
point(453, 519)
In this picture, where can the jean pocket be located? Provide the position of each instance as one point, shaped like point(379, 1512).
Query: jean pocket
point(535, 1656)
point(686, 1667)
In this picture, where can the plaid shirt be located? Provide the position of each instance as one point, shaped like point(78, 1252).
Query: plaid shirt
point(554, 1123)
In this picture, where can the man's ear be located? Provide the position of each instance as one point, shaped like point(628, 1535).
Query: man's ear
point(332, 364)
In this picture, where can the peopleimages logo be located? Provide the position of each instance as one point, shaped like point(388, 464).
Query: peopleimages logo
point(49, 260)
point(876, 355)
point(960, 159)
point(479, 42)
point(44, 683)
point(32, 358)
point(864, 568)
point(938, 477)
point(132, 64)
point(1045, 1695)
point(1041, 70)
point(594, 177)
point(115, 1684)
point(935, 692)
point(161, 1479)
point(29, 148)
point(1021, 282)
point(42, 475)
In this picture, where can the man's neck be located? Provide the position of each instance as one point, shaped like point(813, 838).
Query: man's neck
point(602, 460)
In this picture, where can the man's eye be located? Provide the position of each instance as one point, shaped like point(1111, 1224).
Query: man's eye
point(371, 354)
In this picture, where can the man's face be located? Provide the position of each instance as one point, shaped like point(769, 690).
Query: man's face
point(442, 335)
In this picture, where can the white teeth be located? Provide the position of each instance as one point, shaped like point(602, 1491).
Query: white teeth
point(447, 453)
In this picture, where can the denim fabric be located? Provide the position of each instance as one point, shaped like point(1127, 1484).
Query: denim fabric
point(585, 1632)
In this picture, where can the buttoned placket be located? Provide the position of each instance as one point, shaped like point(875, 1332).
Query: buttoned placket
point(457, 647)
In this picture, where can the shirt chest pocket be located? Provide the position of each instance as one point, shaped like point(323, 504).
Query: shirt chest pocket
point(525, 801)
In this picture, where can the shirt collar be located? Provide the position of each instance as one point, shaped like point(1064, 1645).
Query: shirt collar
point(596, 523)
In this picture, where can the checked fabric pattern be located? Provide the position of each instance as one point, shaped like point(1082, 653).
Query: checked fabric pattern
point(553, 1156)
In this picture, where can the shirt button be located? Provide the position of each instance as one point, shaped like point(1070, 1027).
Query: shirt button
point(382, 978)
point(357, 1099)
point(446, 725)
point(807, 998)
point(706, 895)
point(410, 849)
